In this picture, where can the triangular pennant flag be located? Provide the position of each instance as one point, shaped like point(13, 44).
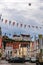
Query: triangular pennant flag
point(2, 19)
point(9, 22)
point(21, 25)
point(32, 26)
point(17, 24)
point(0, 16)
point(24, 26)
point(40, 27)
point(5, 21)
point(36, 26)
point(5, 34)
point(13, 23)
point(9, 34)
point(29, 26)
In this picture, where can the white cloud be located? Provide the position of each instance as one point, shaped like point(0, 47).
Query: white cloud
point(20, 4)
point(19, 0)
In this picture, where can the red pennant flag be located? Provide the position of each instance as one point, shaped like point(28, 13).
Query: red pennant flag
point(21, 25)
point(5, 21)
point(13, 23)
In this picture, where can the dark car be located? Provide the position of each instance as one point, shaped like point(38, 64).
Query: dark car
point(16, 60)
point(3, 58)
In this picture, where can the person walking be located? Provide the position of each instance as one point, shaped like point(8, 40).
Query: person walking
point(37, 60)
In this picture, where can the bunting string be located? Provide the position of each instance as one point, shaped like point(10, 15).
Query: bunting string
point(21, 24)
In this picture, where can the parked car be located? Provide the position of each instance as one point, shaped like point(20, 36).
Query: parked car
point(16, 60)
point(3, 57)
point(33, 59)
point(27, 59)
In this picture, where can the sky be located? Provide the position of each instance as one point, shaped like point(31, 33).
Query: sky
point(20, 11)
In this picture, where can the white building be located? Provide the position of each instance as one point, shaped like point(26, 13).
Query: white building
point(25, 37)
point(22, 37)
point(17, 37)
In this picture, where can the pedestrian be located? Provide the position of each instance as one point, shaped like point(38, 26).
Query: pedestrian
point(37, 60)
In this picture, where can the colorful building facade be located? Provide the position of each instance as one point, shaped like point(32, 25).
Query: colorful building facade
point(19, 46)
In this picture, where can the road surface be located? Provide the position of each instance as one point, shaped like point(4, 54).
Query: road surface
point(3, 62)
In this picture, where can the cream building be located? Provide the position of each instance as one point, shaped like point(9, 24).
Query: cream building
point(23, 50)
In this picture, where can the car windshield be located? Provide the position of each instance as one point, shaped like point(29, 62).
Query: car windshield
point(27, 57)
point(16, 57)
point(33, 58)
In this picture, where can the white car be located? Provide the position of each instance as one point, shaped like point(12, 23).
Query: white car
point(27, 59)
point(33, 59)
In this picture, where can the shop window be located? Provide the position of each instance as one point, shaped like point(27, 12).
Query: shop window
point(11, 52)
point(8, 52)
point(23, 45)
point(15, 51)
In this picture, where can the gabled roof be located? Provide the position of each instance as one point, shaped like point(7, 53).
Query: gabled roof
point(25, 35)
point(16, 35)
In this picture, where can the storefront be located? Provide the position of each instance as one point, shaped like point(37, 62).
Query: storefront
point(19, 48)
